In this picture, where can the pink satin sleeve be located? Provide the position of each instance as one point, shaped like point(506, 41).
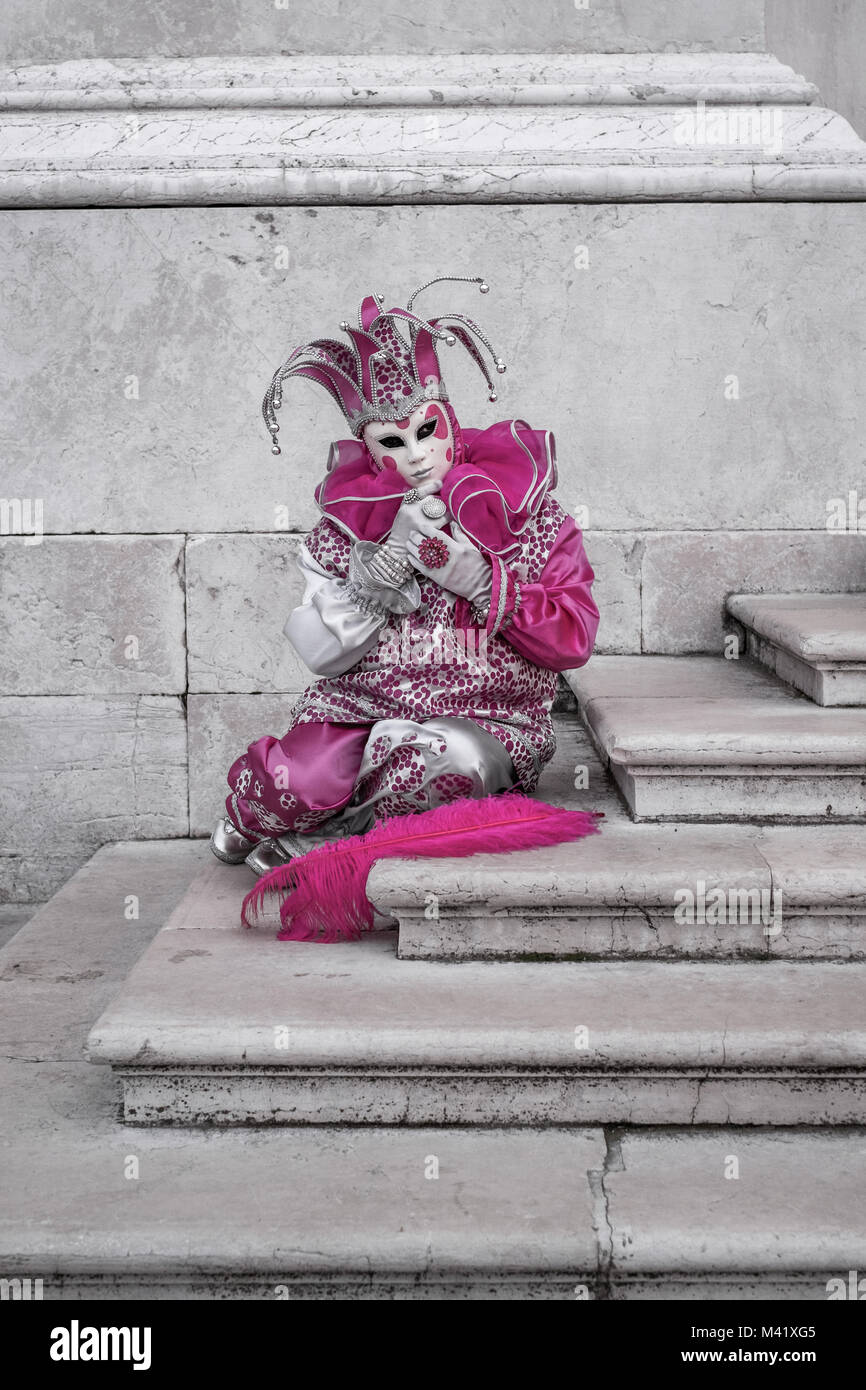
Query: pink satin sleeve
point(556, 622)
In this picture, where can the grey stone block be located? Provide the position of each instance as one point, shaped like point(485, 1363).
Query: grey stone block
point(657, 892)
point(92, 615)
point(74, 953)
point(13, 916)
point(241, 590)
point(30, 877)
point(221, 727)
point(616, 559)
point(686, 579)
point(738, 1202)
point(77, 772)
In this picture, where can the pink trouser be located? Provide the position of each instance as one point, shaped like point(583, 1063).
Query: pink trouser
point(392, 767)
point(295, 782)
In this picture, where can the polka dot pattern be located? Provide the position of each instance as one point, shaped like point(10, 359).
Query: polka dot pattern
point(501, 690)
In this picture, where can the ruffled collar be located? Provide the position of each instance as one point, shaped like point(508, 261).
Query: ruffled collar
point(493, 491)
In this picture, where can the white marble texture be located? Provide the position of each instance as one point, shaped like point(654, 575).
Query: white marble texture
point(322, 131)
point(39, 31)
point(547, 154)
point(401, 79)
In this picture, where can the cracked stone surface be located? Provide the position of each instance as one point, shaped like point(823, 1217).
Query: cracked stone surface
point(92, 615)
point(615, 1207)
point(492, 131)
point(405, 79)
point(539, 154)
point(82, 770)
point(492, 26)
point(794, 1203)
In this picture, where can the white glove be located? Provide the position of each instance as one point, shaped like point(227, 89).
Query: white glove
point(467, 571)
point(410, 517)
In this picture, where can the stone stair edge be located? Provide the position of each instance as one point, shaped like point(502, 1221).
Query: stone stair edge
point(644, 77)
point(775, 618)
point(358, 1004)
point(766, 724)
point(786, 1223)
point(215, 145)
point(586, 873)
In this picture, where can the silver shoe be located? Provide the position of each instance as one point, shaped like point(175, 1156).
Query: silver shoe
point(228, 844)
point(267, 855)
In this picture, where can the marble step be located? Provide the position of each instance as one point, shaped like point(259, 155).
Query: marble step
point(216, 1025)
point(96, 1208)
point(815, 642)
point(658, 891)
point(476, 127)
point(405, 79)
point(706, 739)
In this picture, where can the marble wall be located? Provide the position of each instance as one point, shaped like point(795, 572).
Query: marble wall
point(41, 31)
point(701, 366)
point(825, 40)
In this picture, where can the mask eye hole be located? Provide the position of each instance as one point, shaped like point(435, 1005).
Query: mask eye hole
point(390, 441)
point(424, 431)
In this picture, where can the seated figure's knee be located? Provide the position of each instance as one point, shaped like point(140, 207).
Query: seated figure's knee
point(473, 754)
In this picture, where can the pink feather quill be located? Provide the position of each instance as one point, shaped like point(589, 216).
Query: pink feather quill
point(326, 890)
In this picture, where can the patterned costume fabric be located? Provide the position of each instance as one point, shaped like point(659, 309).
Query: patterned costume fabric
point(388, 730)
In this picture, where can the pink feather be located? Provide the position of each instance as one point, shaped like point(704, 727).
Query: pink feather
point(326, 890)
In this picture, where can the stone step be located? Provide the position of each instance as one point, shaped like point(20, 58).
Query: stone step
point(636, 891)
point(815, 642)
point(487, 128)
point(215, 1025)
point(703, 739)
point(95, 1208)
point(663, 892)
point(404, 79)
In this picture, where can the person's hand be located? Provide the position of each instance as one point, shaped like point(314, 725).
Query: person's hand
point(410, 517)
point(466, 571)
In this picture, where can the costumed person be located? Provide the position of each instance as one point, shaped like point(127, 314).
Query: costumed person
point(445, 588)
